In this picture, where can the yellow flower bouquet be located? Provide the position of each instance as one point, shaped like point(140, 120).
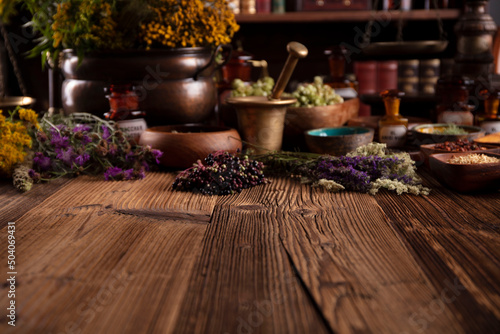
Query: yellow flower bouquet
point(15, 138)
point(102, 25)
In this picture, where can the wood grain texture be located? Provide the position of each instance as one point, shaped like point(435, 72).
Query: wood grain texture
point(456, 239)
point(96, 250)
point(244, 281)
point(355, 266)
point(14, 204)
point(137, 257)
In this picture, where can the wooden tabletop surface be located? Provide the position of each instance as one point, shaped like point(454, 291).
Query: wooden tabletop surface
point(136, 257)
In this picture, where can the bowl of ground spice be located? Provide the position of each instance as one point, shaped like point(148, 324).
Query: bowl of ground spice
point(467, 171)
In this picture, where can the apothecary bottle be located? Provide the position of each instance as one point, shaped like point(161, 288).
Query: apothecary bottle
point(337, 65)
point(454, 93)
point(489, 121)
point(124, 110)
point(392, 127)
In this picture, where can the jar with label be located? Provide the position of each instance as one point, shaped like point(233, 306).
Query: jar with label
point(124, 105)
point(489, 121)
point(453, 107)
point(392, 127)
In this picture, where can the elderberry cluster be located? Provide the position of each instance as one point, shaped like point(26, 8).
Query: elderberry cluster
point(222, 174)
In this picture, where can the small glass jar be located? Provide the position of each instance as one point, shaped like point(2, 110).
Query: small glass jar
point(392, 127)
point(124, 110)
point(453, 107)
point(337, 65)
point(489, 121)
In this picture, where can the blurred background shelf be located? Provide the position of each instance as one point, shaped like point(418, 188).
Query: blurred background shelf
point(347, 16)
point(415, 105)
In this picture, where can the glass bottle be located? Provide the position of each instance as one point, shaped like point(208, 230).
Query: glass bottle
point(124, 105)
point(392, 127)
point(337, 66)
point(454, 93)
point(489, 121)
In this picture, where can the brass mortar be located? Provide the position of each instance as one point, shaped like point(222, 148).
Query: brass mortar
point(261, 119)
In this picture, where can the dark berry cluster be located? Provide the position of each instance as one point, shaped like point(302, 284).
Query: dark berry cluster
point(222, 174)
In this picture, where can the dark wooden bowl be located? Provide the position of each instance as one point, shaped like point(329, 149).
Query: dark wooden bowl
point(300, 119)
point(183, 145)
point(465, 178)
point(429, 149)
point(339, 140)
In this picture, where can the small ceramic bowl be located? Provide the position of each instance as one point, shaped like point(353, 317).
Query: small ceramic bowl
point(339, 140)
point(301, 119)
point(429, 133)
point(466, 178)
point(183, 145)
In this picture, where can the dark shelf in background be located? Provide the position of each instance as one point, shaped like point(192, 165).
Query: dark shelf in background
point(348, 16)
point(420, 105)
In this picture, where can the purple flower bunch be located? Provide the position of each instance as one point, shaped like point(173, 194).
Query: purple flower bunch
point(358, 172)
point(367, 169)
point(85, 144)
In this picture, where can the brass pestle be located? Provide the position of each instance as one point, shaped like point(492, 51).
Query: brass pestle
point(261, 119)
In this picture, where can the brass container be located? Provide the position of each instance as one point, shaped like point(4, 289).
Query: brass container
point(474, 32)
point(174, 86)
point(261, 121)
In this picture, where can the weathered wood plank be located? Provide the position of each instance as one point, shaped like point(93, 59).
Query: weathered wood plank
point(133, 257)
point(355, 265)
point(151, 197)
point(456, 240)
point(244, 281)
point(14, 204)
point(85, 267)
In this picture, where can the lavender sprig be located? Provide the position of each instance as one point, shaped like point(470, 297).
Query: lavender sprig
point(82, 143)
point(368, 169)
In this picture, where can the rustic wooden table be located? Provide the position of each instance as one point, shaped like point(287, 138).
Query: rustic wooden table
point(135, 257)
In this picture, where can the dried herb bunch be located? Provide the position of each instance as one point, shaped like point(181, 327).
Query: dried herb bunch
point(82, 143)
point(368, 169)
point(189, 23)
point(221, 173)
point(99, 25)
point(15, 138)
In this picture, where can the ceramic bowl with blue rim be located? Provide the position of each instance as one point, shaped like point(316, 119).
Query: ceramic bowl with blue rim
point(338, 140)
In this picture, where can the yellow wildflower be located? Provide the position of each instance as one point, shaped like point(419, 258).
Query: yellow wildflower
point(29, 115)
point(14, 139)
point(190, 24)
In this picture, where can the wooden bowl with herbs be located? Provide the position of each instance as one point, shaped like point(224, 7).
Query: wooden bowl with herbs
point(300, 119)
point(460, 145)
point(467, 171)
point(183, 145)
point(439, 133)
